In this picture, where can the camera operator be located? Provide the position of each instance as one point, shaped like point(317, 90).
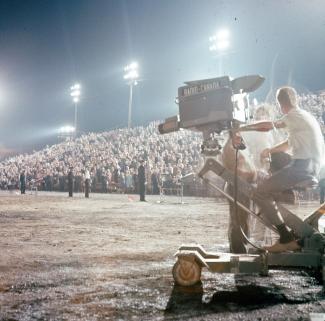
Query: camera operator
point(87, 182)
point(305, 140)
point(142, 181)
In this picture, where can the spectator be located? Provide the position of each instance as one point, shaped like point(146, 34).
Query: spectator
point(22, 180)
point(87, 183)
point(70, 182)
point(142, 181)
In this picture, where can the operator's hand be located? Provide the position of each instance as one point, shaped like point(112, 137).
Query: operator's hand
point(237, 141)
point(235, 130)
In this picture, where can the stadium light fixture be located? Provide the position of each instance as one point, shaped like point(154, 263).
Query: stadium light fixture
point(132, 76)
point(75, 93)
point(66, 129)
point(223, 34)
point(66, 132)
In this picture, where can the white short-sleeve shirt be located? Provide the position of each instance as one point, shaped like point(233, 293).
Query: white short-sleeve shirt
point(305, 135)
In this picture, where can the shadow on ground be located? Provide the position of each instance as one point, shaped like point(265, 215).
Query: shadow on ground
point(242, 297)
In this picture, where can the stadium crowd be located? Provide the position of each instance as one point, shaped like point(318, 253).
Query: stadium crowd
point(113, 157)
point(315, 104)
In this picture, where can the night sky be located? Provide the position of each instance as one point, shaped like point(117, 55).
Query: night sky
point(47, 45)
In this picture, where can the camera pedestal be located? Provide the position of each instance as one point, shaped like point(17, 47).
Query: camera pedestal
point(192, 258)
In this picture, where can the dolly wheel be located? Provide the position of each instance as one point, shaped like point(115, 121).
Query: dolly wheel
point(186, 273)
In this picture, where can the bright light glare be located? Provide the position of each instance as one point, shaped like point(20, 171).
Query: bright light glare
point(223, 34)
point(132, 75)
point(131, 72)
point(134, 65)
point(220, 41)
point(66, 129)
point(222, 45)
point(75, 93)
point(75, 87)
point(131, 66)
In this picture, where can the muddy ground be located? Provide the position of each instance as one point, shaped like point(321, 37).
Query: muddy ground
point(110, 258)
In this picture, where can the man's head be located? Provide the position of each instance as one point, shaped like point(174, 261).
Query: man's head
point(287, 98)
point(263, 112)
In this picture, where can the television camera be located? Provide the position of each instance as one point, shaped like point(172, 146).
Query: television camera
point(211, 106)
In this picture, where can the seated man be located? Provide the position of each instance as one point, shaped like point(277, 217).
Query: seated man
point(306, 143)
point(278, 161)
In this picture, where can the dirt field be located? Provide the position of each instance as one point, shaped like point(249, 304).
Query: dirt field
point(110, 258)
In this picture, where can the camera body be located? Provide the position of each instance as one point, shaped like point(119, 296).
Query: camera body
point(212, 105)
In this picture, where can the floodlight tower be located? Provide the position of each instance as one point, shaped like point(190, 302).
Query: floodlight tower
point(75, 92)
point(66, 132)
point(219, 43)
point(132, 76)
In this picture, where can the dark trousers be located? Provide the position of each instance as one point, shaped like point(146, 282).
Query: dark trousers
point(237, 242)
point(142, 191)
point(297, 171)
point(22, 188)
point(70, 187)
point(87, 188)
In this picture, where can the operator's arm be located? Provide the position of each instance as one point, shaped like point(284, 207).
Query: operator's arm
point(263, 126)
point(282, 147)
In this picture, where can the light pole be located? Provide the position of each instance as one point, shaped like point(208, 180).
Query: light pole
point(75, 92)
point(219, 43)
point(131, 75)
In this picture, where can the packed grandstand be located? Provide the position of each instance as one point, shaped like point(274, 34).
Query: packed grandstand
point(112, 158)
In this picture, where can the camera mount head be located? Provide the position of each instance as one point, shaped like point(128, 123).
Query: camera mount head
point(212, 106)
